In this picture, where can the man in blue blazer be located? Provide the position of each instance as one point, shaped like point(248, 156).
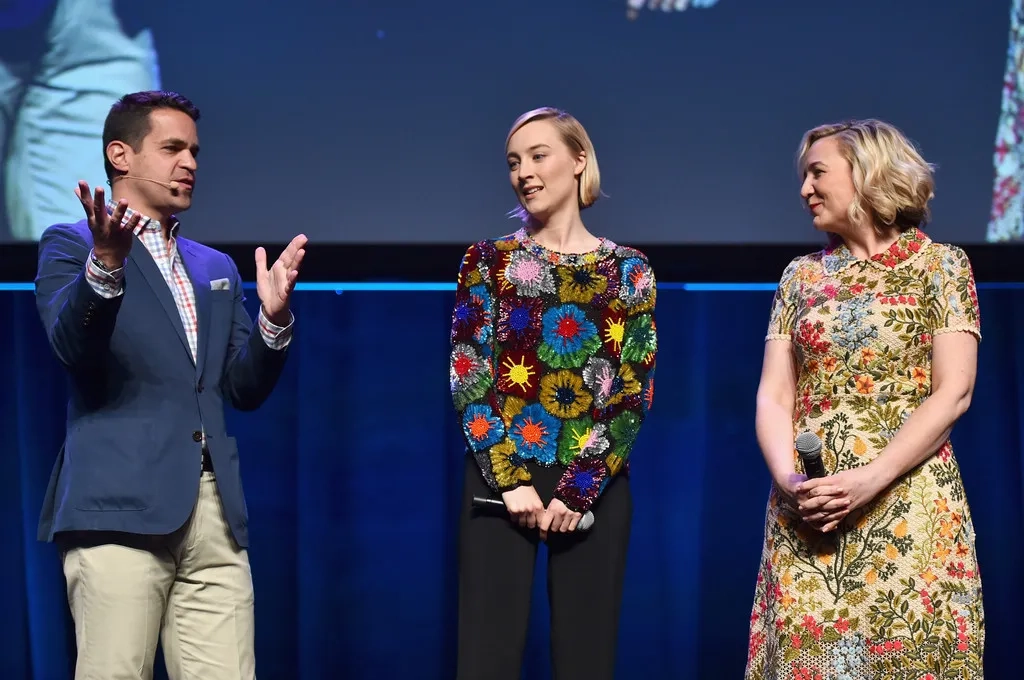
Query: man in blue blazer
point(145, 500)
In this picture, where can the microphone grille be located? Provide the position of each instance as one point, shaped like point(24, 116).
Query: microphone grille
point(586, 521)
point(808, 443)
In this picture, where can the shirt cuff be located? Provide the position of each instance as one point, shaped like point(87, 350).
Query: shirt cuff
point(105, 284)
point(276, 337)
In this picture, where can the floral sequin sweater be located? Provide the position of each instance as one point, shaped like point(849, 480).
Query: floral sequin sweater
point(552, 361)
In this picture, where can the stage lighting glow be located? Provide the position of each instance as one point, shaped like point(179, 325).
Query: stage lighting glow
point(634, 7)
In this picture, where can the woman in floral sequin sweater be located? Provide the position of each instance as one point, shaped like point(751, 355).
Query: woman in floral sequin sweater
point(552, 368)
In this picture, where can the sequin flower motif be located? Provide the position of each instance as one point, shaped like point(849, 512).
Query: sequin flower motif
point(530, 276)
point(471, 319)
point(470, 375)
point(519, 321)
point(535, 433)
point(582, 481)
point(569, 337)
point(481, 428)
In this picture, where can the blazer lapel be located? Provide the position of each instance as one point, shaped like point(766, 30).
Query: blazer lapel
point(147, 267)
point(196, 269)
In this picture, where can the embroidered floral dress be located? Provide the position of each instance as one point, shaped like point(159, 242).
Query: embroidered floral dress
point(894, 593)
point(552, 361)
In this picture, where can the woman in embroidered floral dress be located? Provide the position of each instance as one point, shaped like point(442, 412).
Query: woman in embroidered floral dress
point(871, 571)
point(552, 372)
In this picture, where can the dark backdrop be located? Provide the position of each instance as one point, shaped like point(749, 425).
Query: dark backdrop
point(352, 472)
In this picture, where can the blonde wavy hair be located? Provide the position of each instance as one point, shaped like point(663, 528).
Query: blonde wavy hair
point(575, 136)
point(892, 182)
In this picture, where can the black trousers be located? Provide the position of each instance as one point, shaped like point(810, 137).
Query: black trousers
point(585, 574)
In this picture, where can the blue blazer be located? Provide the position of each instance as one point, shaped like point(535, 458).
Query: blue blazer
point(131, 459)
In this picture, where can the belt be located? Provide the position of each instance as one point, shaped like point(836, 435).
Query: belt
point(207, 463)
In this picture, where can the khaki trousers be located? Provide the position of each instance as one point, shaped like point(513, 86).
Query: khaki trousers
point(191, 590)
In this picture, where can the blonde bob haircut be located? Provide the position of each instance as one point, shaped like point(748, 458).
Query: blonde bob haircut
point(892, 182)
point(575, 136)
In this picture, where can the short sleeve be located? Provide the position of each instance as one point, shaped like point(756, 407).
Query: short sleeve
point(784, 305)
point(954, 294)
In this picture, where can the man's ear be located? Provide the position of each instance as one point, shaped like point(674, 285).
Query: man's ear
point(118, 153)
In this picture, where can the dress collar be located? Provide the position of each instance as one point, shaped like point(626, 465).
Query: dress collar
point(838, 257)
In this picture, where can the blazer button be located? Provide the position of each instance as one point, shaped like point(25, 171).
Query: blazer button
point(199, 387)
point(197, 436)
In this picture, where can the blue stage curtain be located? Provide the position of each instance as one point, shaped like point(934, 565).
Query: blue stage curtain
point(352, 473)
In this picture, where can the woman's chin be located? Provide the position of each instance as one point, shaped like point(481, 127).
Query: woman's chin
point(536, 213)
point(821, 224)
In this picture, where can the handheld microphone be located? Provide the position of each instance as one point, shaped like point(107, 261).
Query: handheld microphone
point(808, 445)
point(172, 185)
point(584, 524)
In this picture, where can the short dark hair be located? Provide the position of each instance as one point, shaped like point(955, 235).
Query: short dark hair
point(128, 119)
